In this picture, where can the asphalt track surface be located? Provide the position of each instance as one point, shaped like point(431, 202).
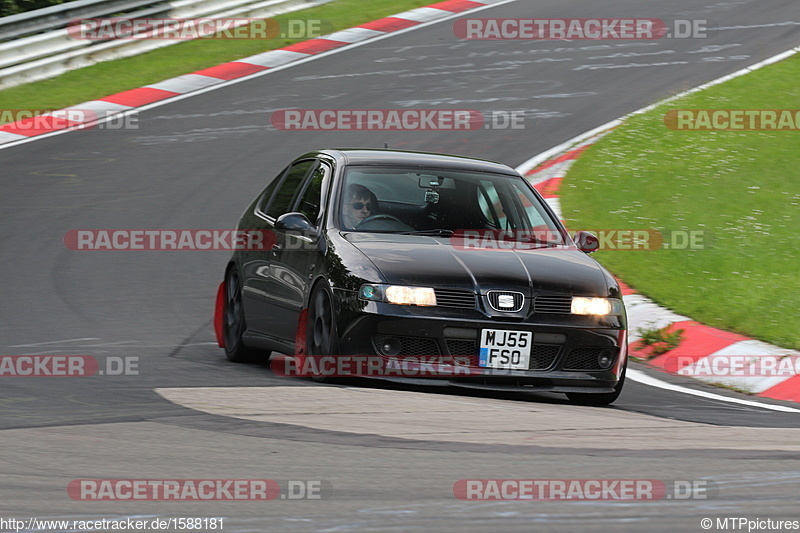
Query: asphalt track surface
point(197, 162)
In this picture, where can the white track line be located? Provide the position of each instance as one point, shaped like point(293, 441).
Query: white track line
point(644, 379)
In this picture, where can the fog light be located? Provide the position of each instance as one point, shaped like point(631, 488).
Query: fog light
point(605, 359)
point(390, 346)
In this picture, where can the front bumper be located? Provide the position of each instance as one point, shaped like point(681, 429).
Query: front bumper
point(564, 358)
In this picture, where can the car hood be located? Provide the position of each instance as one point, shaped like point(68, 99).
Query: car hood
point(435, 262)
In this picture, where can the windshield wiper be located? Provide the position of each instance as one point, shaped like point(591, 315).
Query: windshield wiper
point(537, 240)
point(436, 232)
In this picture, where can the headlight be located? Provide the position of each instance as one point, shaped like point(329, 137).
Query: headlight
point(398, 294)
point(596, 306)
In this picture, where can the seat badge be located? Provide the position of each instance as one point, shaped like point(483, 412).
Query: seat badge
point(505, 301)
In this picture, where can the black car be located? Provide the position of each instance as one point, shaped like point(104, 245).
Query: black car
point(399, 264)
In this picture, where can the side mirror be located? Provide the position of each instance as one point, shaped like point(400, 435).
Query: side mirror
point(294, 222)
point(587, 242)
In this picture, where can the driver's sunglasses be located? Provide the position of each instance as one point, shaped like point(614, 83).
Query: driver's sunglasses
point(360, 205)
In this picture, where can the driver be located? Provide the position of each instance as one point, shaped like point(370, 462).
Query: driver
point(359, 203)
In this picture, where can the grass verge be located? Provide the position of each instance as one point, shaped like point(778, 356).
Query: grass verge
point(111, 77)
point(740, 188)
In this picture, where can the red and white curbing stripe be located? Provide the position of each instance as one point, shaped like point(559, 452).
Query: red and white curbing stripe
point(127, 100)
point(702, 344)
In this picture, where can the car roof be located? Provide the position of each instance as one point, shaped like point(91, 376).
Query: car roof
point(368, 157)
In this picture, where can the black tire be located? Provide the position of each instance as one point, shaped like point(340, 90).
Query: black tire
point(234, 323)
point(599, 400)
point(322, 336)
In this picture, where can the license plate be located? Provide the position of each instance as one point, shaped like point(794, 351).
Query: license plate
point(501, 348)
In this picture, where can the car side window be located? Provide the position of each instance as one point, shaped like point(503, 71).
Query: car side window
point(286, 191)
point(311, 200)
point(266, 195)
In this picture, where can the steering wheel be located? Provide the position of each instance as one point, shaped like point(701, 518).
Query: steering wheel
point(379, 216)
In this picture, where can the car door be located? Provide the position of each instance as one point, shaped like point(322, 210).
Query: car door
point(253, 261)
point(299, 251)
point(268, 288)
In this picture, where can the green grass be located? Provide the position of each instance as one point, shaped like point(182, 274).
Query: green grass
point(743, 187)
point(111, 77)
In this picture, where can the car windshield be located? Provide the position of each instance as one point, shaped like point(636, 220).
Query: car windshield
point(442, 203)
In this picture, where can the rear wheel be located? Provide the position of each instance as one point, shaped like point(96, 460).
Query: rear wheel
point(599, 399)
point(322, 338)
point(234, 324)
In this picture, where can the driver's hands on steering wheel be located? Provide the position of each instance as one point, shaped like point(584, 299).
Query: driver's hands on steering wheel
point(378, 216)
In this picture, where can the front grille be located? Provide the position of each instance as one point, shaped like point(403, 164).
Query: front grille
point(462, 347)
point(543, 356)
point(553, 304)
point(410, 345)
point(457, 298)
point(585, 357)
point(515, 300)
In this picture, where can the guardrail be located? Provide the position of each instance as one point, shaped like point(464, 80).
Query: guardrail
point(28, 58)
point(54, 17)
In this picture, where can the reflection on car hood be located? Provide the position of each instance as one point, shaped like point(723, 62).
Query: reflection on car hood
point(435, 262)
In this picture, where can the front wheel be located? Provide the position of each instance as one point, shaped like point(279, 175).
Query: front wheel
point(322, 338)
point(607, 398)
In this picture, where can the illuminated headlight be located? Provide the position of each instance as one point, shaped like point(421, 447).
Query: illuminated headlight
point(596, 306)
point(398, 294)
